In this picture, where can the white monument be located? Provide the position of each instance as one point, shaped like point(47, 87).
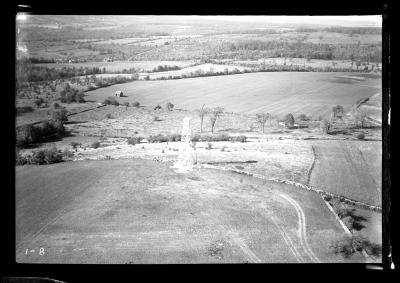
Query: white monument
point(186, 156)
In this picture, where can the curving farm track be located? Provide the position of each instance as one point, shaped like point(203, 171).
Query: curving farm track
point(119, 211)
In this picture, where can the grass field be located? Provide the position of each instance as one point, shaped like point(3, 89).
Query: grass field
point(349, 168)
point(119, 211)
point(278, 93)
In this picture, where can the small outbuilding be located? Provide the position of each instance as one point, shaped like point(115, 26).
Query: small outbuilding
point(119, 93)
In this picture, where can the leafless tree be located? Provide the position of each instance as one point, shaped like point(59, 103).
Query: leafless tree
point(202, 112)
point(262, 118)
point(214, 114)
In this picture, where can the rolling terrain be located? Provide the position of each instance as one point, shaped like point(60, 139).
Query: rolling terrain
point(114, 197)
point(278, 93)
point(119, 211)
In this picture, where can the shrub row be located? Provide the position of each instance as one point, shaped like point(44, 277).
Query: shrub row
point(164, 68)
point(221, 137)
point(103, 82)
point(43, 156)
point(111, 101)
point(164, 138)
point(27, 134)
point(134, 140)
point(195, 138)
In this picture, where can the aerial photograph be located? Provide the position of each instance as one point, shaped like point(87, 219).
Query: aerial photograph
point(190, 139)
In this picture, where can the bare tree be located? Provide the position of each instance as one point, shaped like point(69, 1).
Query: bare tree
point(214, 114)
point(202, 112)
point(262, 118)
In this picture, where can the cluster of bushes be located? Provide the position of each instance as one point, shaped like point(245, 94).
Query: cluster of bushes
point(40, 102)
point(111, 101)
point(43, 156)
point(177, 137)
point(24, 109)
point(95, 144)
point(361, 136)
point(69, 94)
point(221, 137)
point(289, 120)
point(347, 246)
point(164, 68)
point(134, 140)
point(59, 115)
point(164, 138)
point(135, 104)
point(27, 134)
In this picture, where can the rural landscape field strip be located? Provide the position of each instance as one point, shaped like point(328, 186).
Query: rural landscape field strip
point(332, 177)
point(87, 238)
point(277, 93)
point(300, 185)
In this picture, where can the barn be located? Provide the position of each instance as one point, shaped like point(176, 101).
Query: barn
point(119, 93)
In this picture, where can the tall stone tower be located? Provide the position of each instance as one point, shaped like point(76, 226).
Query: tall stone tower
point(186, 157)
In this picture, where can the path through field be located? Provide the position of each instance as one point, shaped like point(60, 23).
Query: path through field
point(119, 211)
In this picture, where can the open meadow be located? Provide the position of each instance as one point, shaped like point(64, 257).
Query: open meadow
point(278, 93)
point(203, 216)
point(340, 168)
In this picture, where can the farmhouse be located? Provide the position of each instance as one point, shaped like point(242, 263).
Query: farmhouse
point(119, 93)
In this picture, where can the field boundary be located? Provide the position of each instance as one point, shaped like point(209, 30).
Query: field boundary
point(309, 171)
point(296, 184)
point(337, 218)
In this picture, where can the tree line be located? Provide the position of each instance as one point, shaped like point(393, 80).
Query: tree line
point(300, 49)
point(25, 71)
